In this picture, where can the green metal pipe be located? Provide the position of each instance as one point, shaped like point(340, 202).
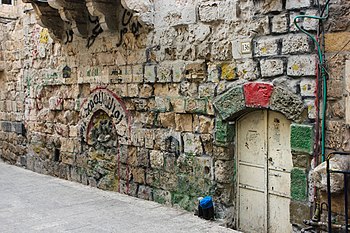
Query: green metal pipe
point(323, 75)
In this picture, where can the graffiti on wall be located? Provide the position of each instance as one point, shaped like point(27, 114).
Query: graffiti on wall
point(95, 31)
point(103, 100)
point(128, 24)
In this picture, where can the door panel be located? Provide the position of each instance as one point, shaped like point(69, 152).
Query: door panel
point(264, 164)
point(253, 208)
point(280, 165)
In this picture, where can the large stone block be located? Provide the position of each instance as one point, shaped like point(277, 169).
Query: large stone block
point(257, 94)
point(196, 105)
point(224, 132)
point(184, 122)
point(230, 102)
point(293, 4)
point(303, 65)
point(302, 138)
point(271, 67)
point(286, 102)
point(296, 44)
point(266, 46)
point(224, 171)
point(319, 174)
point(156, 159)
point(298, 184)
point(279, 23)
point(192, 144)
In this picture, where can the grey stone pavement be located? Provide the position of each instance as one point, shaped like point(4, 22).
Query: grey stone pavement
point(31, 202)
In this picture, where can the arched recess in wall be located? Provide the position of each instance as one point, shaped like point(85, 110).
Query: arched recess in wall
point(262, 114)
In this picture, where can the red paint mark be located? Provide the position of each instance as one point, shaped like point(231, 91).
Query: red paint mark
point(257, 95)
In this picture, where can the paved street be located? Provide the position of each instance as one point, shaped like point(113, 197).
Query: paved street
point(31, 202)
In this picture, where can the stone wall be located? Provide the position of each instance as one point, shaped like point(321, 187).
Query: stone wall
point(148, 112)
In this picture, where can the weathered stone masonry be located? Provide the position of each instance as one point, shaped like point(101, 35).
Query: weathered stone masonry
point(144, 102)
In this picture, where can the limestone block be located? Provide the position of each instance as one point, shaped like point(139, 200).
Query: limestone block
point(196, 105)
point(338, 20)
point(56, 103)
point(192, 143)
point(230, 102)
point(162, 104)
point(284, 101)
point(279, 23)
point(222, 51)
point(161, 89)
point(302, 138)
point(145, 192)
point(319, 174)
point(178, 71)
point(299, 43)
point(142, 157)
point(162, 196)
point(228, 71)
point(310, 24)
point(149, 138)
point(145, 91)
point(195, 70)
point(207, 89)
point(168, 181)
point(228, 10)
point(138, 175)
point(183, 122)
point(189, 88)
point(73, 131)
point(336, 41)
point(298, 184)
point(266, 46)
point(178, 104)
point(213, 72)
point(307, 87)
point(271, 67)
point(133, 90)
point(223, 153)
point(150, 73)
point(297, 4)
point(242, 48)
point(303, 65)
point(224, 171)
point(164, 73)
point(156, 159)
point(311, 110)
point(208, 12)
point(199, 32)
point(335, 88)
point(224, 131)
point(203, 167)
point(206, 125)
point(167, 119)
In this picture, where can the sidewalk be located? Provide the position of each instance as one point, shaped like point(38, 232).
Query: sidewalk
point(31, 202)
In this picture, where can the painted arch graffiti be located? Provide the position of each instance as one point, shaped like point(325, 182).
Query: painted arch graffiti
point(103, 103)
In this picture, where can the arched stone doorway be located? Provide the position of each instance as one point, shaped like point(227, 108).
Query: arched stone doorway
point(261, 116)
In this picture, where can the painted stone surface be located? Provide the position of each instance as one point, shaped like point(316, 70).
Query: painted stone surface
point(302, 138)
point(257, 95)
point(230, 102)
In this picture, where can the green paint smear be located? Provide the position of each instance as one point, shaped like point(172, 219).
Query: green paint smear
point(302, 138)
point(298, 184)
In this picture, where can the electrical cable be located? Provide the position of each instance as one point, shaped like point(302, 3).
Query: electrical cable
point(323, 73)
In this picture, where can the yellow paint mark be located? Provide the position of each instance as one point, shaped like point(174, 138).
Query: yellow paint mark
point(44, 36)
point(295, 67)
point(263, 50)
point(228, 71)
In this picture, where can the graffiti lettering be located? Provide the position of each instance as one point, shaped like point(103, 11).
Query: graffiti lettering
point(127, 24)
point(97, 30)
point(101, 99)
